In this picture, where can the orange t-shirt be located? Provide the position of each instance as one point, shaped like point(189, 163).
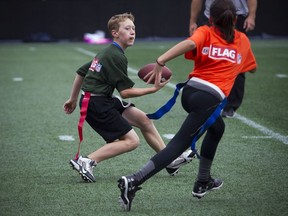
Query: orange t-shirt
point(218, 62)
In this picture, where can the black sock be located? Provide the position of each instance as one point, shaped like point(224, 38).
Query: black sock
point(143, 174)
point(204, 170)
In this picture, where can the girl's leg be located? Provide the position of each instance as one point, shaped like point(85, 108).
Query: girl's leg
point(139, 119)
point(200, 105)
point(208, 149)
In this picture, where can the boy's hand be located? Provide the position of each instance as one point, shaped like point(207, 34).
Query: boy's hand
point(69, 106)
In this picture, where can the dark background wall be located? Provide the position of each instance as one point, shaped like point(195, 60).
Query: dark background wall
point(70, 19)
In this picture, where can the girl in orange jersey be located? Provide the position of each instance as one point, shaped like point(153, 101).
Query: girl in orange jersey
point(219, 52)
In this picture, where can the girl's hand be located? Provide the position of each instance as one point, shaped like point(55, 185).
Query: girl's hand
point(156, 75)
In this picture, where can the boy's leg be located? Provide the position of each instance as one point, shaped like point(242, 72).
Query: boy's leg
point(85, 165)
point(112, 127)
point(126, 143)
point(139, 119)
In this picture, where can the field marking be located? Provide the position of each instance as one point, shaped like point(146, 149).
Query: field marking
point(17, 79)
point(282, 75)
point(257, 137)
point(66, 138)
point(84, 51)
point(264, 130)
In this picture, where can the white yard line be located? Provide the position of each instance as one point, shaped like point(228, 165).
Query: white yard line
point(264, 130)
point(250, 123)
point(84, 51)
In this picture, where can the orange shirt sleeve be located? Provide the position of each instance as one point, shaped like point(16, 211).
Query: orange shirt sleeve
point(197, 37)
point(248, 59)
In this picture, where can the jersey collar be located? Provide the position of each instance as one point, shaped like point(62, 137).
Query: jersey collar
point(117, 45)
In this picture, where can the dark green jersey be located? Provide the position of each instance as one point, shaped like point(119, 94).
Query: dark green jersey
point(106, 72)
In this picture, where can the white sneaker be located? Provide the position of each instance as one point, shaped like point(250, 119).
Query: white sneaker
point(85, 168)
point(185, 158)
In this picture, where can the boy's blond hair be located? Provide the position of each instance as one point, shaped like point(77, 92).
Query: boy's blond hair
point(113, 23)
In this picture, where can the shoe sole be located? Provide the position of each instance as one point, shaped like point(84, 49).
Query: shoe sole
point(200, 195)
point(227, 116)
point(177, 169)
point(75, 165)
point(85, 176)
point(172, 173)
point(123, 199)
point(180, 165)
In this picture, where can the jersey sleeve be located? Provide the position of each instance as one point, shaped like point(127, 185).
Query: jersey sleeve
point(248, 59)
point(82, 71)
point(199, 38)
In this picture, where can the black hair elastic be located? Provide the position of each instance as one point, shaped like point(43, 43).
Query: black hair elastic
point(162, 65)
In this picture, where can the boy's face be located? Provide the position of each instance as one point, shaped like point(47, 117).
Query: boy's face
point(126, 34)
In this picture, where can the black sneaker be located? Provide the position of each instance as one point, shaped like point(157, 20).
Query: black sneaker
point(128, 189)
point(200, 188)
point(183, 159)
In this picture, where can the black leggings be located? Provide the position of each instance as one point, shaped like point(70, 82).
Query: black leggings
point(199, 105)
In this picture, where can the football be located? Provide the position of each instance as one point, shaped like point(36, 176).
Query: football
point(166, 72)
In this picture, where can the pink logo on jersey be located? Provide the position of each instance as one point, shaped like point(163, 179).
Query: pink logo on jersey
point(95, 65)
point(226, 53)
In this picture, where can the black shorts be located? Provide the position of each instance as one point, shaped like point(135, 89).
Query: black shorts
point(104, 115)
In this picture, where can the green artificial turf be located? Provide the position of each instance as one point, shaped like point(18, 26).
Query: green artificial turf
point(36, 178)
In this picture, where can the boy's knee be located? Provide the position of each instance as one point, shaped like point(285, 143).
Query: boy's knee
point(145, 122)
point(132, 143)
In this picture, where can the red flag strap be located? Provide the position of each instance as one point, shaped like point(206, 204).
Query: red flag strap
point(83, 114)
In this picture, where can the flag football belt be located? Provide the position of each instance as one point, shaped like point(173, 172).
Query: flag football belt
point(170, 103)
point(92, 94)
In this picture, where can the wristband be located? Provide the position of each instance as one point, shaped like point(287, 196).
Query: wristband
point(162, 65)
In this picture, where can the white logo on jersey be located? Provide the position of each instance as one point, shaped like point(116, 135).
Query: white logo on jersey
point(95, 65)
point(239, 59)
point(226, 53)
point(205, 50)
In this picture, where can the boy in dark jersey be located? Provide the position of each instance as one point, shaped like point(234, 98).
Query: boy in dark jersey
point(109, 116)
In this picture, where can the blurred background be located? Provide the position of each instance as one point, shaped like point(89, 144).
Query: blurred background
point(53, 20)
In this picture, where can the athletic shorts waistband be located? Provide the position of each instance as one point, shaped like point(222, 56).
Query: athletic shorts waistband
point(92, 94)
point(212, 88)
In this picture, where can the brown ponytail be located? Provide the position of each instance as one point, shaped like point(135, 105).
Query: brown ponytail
point(223, 16)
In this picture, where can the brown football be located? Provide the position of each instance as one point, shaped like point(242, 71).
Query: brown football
point(166, 72)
